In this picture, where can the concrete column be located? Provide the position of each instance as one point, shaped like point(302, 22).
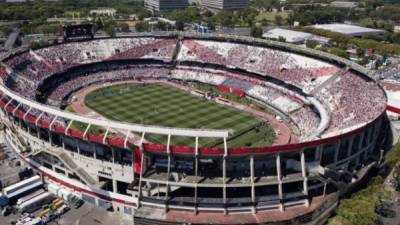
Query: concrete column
point(320, 149)
point(77, 147)
point(359, 148)
point(94, 152)
point(337, 149)
point(140, 180)
point(196, 172)
point(115, 186)
point(350, 147)
point(63, 143)
point(224, 183)
point(113, 155)
point(279, 177)
point(224, 175)
point(253, 190)
point(38, 132)
point(50, 140)
point(304, 174)
point(168, 174)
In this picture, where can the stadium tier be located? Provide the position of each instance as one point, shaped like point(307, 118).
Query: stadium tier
point(178, 128)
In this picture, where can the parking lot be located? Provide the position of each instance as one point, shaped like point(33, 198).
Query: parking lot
point(10, 166)
point(87, 214)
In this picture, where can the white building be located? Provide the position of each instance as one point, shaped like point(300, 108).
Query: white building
point(103, 12)
point(289, 35)
point(348, 29)
point(344, 4)
point(396, 29)
point(165, 5)
point(224, 4)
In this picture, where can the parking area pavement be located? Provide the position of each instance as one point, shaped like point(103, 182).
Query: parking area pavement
point(89, 214)
point(10, 167)
point(8, 219)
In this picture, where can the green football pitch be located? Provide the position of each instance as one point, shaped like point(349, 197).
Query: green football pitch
point(163, 105)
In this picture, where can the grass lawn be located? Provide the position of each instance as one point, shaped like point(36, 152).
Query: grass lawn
point(270, 16)
point(156, 104)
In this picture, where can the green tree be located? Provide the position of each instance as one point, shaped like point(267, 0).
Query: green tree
point(279, 20)
point(142, 27)
point(281, 39)
point(161, 25)
point(180, 25)
point(124, 27)
point(109, 28)
point(339, 52)
point(37, 44)
point(311, 43)
point(256, 31)
point(361, 208)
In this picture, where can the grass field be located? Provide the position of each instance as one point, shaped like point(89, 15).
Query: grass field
point(156, 104)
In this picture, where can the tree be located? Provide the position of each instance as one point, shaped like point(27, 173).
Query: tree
point(361, 208)
point(38, 44)
point(227, 18)
point(248, 16)
point(99, 24)
point(124, 27)
point(161, 25)
point(109, 28)
point(339, 52)
point(264, 22)
point(278, 20)
point(311, 43)
point(265, 4)
point(142, 27)
point(188, 15)
point(256, 31)
point(281, 39)
point(180, 25)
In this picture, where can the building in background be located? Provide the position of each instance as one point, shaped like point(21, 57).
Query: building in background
point(165, 5)
point(103, 12)
point(396, 29)
point(344, 4)
point(294, 37)
point(351, 30)
point(290, 36)
point(224, 4)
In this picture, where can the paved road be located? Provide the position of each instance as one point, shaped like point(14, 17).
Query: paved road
point(92, 215)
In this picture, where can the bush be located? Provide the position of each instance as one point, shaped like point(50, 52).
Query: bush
point(311, 44)
point(256, 31)
point(393, 156)
point(361, 208)
point(142, 27)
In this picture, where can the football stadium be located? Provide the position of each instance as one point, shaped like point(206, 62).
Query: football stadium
point(183, 128)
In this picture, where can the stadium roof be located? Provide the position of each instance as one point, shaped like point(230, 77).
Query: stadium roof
point(290, 35)
point(348, 29)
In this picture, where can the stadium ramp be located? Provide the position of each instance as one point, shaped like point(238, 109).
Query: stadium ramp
point(71, 165)
point(329, 81)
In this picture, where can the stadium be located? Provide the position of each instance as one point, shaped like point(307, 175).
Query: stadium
point(182, 128)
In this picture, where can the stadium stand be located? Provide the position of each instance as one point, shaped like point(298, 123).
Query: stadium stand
point(336, 108)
